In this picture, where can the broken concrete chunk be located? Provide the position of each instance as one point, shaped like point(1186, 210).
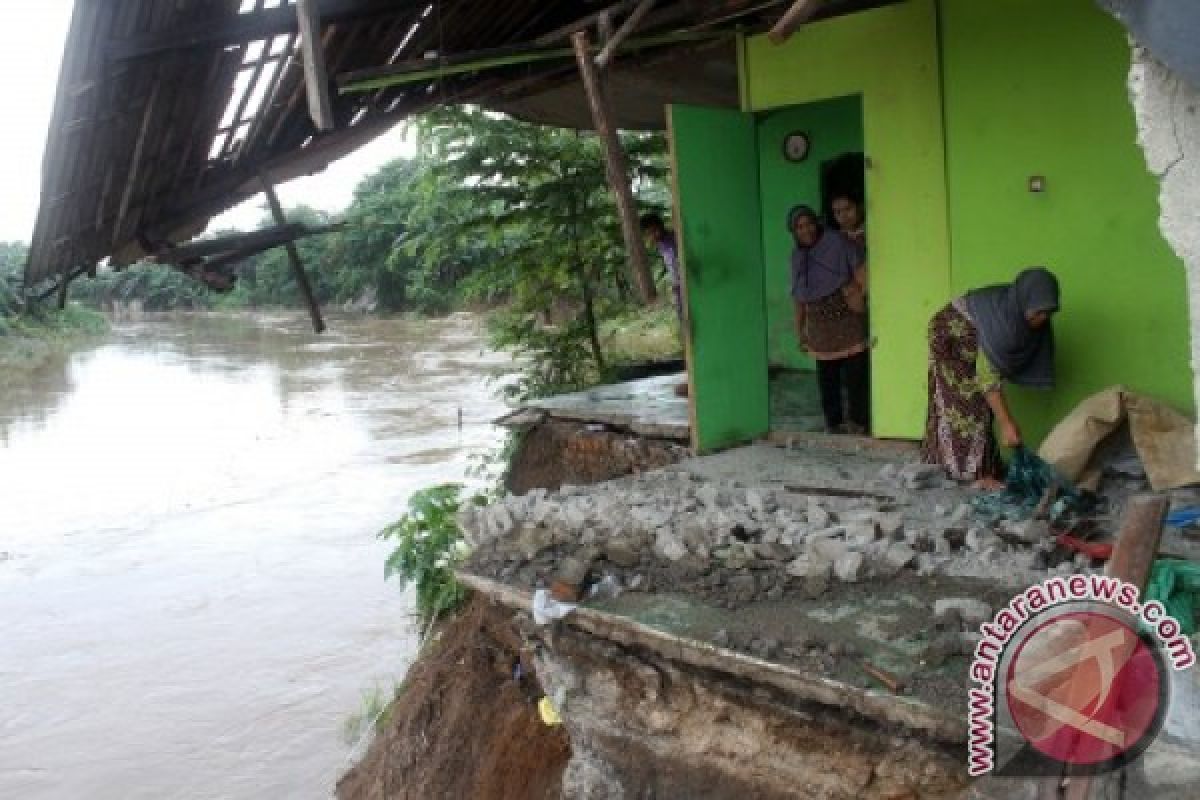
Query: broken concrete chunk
point(623, 552)
point(532, 541)
point(669, 546)
point(808, 566)
point(818, 517)
point(849, 567)
point(828, 548)
point(891, 524)
point(979, 539)
point(860, 535)
point(900, 555)
point(971, 611)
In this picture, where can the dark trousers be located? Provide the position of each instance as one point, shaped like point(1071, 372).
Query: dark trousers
point(853, 373)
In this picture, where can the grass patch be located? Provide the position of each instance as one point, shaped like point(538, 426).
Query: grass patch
point(646, 334)
point(28, 341)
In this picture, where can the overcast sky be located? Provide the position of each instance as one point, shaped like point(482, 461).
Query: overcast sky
point(29, 62)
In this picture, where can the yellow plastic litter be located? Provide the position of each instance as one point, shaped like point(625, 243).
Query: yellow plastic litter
point(549, 713)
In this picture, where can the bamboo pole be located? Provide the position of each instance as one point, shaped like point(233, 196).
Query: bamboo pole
point(618, 171)
point(623, 32)
point(800, 13)
point(314, 309)
point(370, 80)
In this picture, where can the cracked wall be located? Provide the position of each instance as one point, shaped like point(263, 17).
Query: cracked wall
point(1168, 117)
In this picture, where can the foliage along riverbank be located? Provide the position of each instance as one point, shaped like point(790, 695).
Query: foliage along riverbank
point(31, 334)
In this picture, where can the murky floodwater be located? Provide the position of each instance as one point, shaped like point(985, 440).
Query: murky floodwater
point(191, 593)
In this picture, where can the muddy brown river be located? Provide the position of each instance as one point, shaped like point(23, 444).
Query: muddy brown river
point(191, 592)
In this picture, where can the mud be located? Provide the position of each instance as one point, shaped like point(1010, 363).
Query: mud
point(462, 726)
point(558, 452)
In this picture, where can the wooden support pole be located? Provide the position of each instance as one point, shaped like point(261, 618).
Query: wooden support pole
point(306, 291)
point(1132, 560)
point(623, 32)
point(64, 287)
point(800, 12)
point(618, 172)
point(316, 74)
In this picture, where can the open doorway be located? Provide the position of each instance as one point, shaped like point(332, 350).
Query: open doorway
point(808, 155)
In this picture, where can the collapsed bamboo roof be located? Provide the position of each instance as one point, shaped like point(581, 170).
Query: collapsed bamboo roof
point(168, 113)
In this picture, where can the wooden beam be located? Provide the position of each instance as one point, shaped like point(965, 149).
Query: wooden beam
point(135, 164)
point(243, 28)
point(618, 172)
point(623, 32)
point(1132, 560)
point(316, 75)
point(270, 237)
point(306, 291)
point(800, 12)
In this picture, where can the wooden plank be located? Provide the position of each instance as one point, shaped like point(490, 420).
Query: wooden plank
point(623, 32)
point(314, 310)
point(316, 75)
point(135, 164)
point(1132, 560)
point(800, 12)
point(618, 172)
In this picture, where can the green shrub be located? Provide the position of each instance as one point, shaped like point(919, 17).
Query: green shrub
point(429, 545)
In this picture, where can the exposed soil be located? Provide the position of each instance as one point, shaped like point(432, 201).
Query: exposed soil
point(555, 453)
point(463, 727)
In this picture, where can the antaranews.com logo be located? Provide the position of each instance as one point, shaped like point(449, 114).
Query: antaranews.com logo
point(1072, 672)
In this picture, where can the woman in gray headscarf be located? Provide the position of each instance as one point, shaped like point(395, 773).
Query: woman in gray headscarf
point(829, 296)
point(976, 343)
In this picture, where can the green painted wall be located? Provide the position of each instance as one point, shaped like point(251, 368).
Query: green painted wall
point(835, 127)
point(717, 208)
point(889, 57)
point(1038, 88)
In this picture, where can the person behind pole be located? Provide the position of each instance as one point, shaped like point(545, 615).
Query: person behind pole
point(977, 343)
point(848, 213)
point(663, 241)
point(829, 281)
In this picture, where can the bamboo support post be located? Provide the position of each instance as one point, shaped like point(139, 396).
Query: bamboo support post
point(316, 75)
point(799, 13)
point(623, 32)
point(306, 291)
point(618, 172)
point(1132, 559)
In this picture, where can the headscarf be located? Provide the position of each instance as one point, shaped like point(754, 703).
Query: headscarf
point(824, 267)
point(1020, 353)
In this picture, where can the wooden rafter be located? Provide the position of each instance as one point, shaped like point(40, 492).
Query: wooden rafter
point(316, 76)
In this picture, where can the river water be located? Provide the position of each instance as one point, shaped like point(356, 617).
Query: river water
point(191, 593)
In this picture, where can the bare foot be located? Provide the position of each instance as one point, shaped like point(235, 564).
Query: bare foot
point(988, 485)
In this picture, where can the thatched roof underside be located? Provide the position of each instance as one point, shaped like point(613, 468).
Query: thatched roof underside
point(167, 113)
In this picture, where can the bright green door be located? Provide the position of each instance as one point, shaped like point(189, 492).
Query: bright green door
point(718, 217)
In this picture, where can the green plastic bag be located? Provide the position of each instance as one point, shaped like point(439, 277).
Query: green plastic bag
point(1176, 584)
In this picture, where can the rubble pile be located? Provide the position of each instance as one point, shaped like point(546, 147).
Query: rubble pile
point(735, 545)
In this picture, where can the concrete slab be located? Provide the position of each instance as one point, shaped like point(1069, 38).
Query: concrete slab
point(648, 406)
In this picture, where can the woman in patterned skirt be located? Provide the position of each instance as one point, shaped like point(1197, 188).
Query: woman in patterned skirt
point(976, 343)
point(829, 294)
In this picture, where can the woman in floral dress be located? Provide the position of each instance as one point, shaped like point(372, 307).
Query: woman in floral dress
point(977, 343)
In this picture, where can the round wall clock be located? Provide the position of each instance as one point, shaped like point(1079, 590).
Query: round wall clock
point(796, 146)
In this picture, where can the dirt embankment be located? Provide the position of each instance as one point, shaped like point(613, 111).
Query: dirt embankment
point(557, 453)
point(463, 727)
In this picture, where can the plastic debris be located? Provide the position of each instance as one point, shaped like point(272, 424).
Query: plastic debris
point(549, 714)
point(1176, 584)
point(546, 609)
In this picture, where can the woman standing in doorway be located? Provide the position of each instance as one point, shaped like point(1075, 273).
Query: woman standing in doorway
point(829, 279)
point(976, 343)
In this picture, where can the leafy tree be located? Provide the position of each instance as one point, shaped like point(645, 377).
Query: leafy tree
point(540, 207)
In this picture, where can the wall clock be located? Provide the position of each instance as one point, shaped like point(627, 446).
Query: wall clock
point(796, 146)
